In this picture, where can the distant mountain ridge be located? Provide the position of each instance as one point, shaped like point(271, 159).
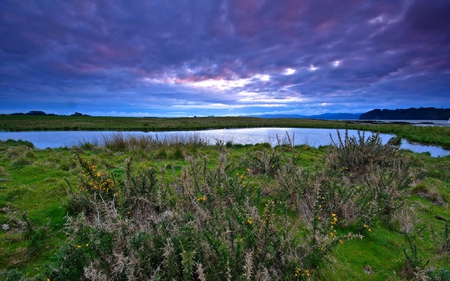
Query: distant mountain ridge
point(422, 113)
point(332, 116)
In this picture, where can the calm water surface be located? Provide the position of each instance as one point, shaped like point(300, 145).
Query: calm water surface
point(415, 122)
point(311, 137)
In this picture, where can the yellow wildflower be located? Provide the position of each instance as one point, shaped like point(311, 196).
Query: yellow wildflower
point(307, 272)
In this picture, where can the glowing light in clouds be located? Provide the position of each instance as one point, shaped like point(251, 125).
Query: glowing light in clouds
point(218, 84)
point(289, 71)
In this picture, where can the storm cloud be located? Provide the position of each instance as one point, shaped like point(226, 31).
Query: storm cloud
point(185, 58)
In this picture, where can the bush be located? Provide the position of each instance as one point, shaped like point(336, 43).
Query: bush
point(357, 154)
point(206, 226)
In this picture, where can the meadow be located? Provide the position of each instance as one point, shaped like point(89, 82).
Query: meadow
point(141, 208)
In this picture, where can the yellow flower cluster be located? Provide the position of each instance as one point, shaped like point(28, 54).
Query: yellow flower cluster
point(367, 227)
point(250, 221)
point(299, 272)
point(343, 169)
point(242, 176)
point(106, 185)
point(201, 198)
point(269, 215)
point(333, 222)
point(80, 246)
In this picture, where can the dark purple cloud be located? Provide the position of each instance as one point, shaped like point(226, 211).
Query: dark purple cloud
point(171, 58)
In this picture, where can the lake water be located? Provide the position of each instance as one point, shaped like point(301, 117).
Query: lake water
point(311, 137)
point(413, 122)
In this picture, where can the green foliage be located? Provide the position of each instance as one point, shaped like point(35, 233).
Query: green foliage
point(263, 162)
point(13, 275)
point(414, 263)
point(12, 143)
point(442, 274)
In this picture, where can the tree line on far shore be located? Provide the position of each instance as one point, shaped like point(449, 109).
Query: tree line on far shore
point(42, 113)
point(422, 113)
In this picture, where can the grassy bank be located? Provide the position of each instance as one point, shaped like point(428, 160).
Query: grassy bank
point(142, 209)
point(425, 135)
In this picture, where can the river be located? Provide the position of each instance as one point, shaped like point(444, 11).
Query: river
point(311, 137)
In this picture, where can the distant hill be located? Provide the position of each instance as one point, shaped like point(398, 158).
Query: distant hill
point(422, 113)
point(42, 113)
point(328, 116)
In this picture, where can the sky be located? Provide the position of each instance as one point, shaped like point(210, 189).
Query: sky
point(223, 57)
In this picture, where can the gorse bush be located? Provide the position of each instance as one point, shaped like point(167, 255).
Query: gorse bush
point(263, 162)
point(209, 224)
point(356, 154)
point(363, 179)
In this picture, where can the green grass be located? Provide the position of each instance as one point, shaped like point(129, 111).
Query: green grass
point(35, 185)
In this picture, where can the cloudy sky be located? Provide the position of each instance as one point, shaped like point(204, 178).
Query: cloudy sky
point(223, 57)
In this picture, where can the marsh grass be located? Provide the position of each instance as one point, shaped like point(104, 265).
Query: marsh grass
point(127, 142)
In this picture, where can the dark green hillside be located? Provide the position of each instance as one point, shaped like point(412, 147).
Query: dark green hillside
point(423, 113)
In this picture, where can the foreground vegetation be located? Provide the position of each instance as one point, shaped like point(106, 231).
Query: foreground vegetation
point(177, 209)
point(424, 135)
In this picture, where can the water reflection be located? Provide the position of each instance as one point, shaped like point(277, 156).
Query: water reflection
point(299, 136)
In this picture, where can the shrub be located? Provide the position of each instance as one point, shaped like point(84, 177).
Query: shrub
point(206, 225)
point(263, 162)
point(356, 154)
